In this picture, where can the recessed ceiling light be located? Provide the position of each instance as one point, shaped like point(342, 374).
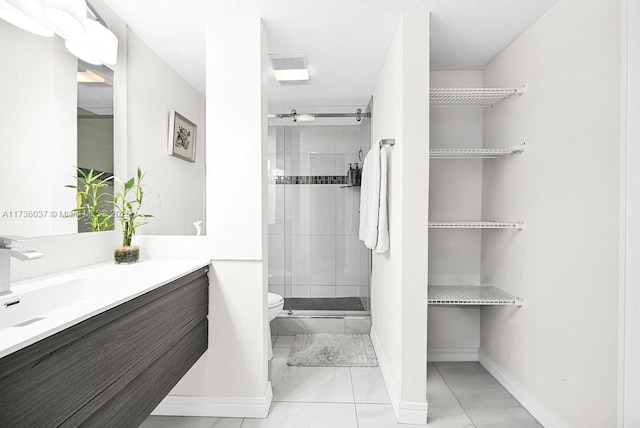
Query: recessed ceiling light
point(89, 77)
point(289, 68)
point(288, 75)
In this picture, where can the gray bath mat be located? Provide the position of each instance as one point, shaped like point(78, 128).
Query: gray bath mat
point(332, 350)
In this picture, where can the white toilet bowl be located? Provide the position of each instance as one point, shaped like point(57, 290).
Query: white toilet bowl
point(275, 305)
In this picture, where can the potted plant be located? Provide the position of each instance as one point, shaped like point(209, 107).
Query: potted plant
point(127, 204)
point(94, 207)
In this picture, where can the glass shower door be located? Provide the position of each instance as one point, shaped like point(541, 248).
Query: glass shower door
point(315, 258)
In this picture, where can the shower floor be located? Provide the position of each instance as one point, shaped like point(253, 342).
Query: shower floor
point(324, 304)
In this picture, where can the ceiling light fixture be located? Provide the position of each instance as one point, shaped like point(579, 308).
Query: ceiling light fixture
point(68, 17)
point(289, 68)
point(296, 74)
point(22, 20)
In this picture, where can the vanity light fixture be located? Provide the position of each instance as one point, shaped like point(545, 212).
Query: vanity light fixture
point(85, 37)
point(21, 19)
point(98, 46)
point(67, 17)
point(289, 68)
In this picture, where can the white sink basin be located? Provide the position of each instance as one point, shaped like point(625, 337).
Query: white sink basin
point(18, 310)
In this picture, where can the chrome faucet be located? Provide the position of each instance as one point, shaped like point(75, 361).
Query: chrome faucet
point(6, 252)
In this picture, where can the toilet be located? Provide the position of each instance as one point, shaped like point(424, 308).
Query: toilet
point(274, 305)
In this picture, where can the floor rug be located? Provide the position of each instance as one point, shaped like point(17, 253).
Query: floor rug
point(332, 350)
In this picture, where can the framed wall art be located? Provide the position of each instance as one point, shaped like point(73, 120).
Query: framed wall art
point(182, 137)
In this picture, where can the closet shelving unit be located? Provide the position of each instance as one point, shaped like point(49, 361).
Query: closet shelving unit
point(471, 97)
point(472, 295)
point(438, 224)
point(474, 153)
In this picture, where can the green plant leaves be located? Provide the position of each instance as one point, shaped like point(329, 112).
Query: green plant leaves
point(129, 184)
point(127, 208)
point(97, 207)
point(93, 203)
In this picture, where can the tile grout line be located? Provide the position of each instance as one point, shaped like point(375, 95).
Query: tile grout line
point(454, 394)
point(353, 393)
point(315, 402)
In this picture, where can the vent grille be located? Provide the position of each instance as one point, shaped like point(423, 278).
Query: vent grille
point(288, 62)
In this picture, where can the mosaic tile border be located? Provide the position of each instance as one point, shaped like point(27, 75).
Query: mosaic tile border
point(308, 179)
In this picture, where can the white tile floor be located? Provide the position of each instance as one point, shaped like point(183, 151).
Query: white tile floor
point(459, 395)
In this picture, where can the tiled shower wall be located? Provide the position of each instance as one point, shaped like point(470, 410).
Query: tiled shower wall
point(314, 249)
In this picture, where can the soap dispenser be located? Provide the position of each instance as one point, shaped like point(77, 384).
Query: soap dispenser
point(350, 176)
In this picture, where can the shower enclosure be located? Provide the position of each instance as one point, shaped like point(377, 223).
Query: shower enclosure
point(316, 261)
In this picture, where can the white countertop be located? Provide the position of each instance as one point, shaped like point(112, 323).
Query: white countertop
point(51, 304)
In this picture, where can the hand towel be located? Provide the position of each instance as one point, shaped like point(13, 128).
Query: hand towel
point(370, 198)
point(382, 245)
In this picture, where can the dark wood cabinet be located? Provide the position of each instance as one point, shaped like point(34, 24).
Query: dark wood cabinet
point(112, 369)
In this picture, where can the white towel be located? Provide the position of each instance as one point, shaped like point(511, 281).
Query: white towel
point(370, 198)
point(373, 201)
point(383, 224)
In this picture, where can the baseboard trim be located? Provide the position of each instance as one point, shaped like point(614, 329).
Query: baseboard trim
point(437, 355)
point(220, 407)
point(542, 413)
point(405, 412)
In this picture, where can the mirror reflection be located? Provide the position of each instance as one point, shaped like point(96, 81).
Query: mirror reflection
point(95, 134)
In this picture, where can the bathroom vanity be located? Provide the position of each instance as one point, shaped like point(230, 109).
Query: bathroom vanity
point(117, 341)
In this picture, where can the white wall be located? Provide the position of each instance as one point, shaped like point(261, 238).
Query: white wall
point(630, 277)
point(455, 193)
point(174, 188)
point(38, 133)
point(561, 345)
point(399, 279)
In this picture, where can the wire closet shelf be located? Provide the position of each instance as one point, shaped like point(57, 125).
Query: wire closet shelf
point(477, 295)
point(440, 224)
point(471, 97)
point(474, 153)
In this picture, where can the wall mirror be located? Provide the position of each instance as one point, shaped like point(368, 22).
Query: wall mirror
point(57, 114)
